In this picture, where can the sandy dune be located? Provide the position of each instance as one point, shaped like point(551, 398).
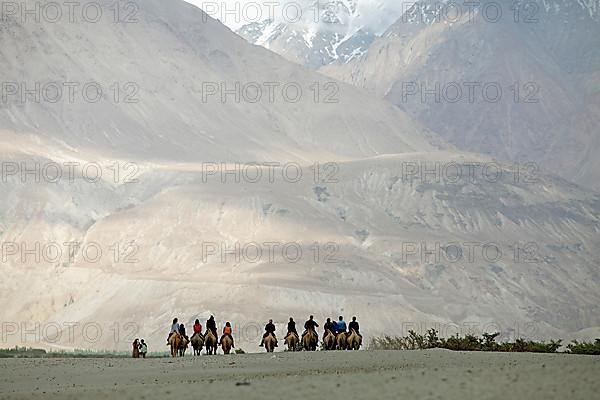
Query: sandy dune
point(436, 374)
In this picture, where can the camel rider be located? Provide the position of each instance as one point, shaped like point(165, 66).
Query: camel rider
point(340, 326)
point(211, 325)
point(269, 329)
point(174, 329)
point(310, 325)
point(353, 326)
point(182, 331)
point(227, 332)
point(329, 326)
point(292, 327)
point(197, 328)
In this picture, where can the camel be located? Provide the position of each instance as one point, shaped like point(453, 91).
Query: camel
point(310, 340)
point(340, 341)
point(183, 345)
point(175, 343)
point(354, 340)
point(226, 344)
point(291, 340)
point(197, 343)
point(329, 340)
point(210, 342)
point(270, 341)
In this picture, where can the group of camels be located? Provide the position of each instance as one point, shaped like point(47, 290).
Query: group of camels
point(179, 344)
point(309, 342)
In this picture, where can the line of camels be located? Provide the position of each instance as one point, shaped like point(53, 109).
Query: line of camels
point(308, 342)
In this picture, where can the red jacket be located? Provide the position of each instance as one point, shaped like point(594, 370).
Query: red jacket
point(197, 328)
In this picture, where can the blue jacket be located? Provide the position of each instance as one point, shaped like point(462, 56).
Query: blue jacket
point(340, 326)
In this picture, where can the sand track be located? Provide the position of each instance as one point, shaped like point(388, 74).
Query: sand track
point(436, 374)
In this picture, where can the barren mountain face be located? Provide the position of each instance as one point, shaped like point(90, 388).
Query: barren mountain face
point(179, 85)
point(177, 192)
point(521, 85)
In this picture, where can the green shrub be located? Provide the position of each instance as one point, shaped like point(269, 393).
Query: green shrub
point(588, 348)
point(487, 342)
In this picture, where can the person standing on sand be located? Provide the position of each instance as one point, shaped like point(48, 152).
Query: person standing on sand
point(136, 348)
point(143, 348)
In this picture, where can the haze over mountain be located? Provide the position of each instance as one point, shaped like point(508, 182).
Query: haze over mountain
point(198, 59)
point(326, 33)
point(544, 56)
point(357, 222)
point(311, 33)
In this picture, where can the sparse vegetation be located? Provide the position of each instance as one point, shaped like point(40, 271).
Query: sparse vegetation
point(413, 341)
point(30, 352)
point(22, 352)
point(487, 342)
point(584, 347)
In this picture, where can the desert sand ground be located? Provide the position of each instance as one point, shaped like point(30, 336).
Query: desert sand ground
point(433, 374)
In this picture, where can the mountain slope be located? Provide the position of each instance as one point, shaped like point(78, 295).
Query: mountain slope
point(325, 33)
point(354, 221)
point(166, 65)
point(552, 120)
point(400, 255)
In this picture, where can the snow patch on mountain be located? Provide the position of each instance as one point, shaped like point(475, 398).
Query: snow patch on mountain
point(325, 31)
point(328, 32)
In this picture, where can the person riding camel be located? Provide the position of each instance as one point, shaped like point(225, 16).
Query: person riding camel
point(211, 325)
point(269, 329)
point(182, 332)
point(174, 329)
point(291, 328)
point(354, 326)
point(197, 328)
point(310, 325)
point(329, 326)
point(340, 326)
point(227, 332)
